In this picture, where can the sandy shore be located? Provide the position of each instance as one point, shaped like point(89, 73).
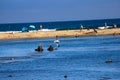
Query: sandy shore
point(62, 33)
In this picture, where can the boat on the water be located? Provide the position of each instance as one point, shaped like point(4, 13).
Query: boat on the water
point(105, 27)
point(101, 27)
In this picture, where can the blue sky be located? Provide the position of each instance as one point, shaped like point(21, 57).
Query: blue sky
point(13, 11)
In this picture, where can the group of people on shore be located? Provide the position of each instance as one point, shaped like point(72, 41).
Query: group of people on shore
point(103, 27)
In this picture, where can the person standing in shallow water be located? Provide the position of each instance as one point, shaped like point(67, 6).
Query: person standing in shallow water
point(57, 42)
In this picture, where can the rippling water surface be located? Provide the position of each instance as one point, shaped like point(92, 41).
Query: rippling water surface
point(81, 58)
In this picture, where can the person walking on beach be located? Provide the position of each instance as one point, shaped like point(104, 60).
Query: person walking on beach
point(105, 24)
point(114, 25)
point(81, 27)
point(41, 27)
point(95, 30)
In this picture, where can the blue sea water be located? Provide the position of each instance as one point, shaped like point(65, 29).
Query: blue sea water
point(60, 25)
point(81, 58)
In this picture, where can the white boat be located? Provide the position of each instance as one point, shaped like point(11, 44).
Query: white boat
point(101, 27)
point(105, 27)
point(108, 27)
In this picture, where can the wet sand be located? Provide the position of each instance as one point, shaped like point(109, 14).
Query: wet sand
point(61, 33)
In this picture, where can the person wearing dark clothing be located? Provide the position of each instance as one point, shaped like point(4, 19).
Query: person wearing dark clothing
point(95, 30)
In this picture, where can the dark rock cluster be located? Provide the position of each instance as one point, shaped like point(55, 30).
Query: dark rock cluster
point(50, 48)
point(40, 49)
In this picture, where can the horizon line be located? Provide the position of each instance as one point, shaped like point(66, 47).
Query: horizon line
point(56, 21)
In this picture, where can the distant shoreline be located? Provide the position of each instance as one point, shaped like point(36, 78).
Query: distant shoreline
point(60, 33)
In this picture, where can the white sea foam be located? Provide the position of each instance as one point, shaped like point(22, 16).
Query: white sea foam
point(29, 31)
point(10, 31)
point(48, 30)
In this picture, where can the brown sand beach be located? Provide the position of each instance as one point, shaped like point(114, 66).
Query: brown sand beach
point(62, 33)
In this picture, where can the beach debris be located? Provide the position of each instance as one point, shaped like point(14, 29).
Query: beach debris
point(108, 61)
point(76, 35)
point(50, 48)
point(65, 76)
point(9, 75)
point(88, 28)
point(12, 58)
point(105, 78)
point(39, 49)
